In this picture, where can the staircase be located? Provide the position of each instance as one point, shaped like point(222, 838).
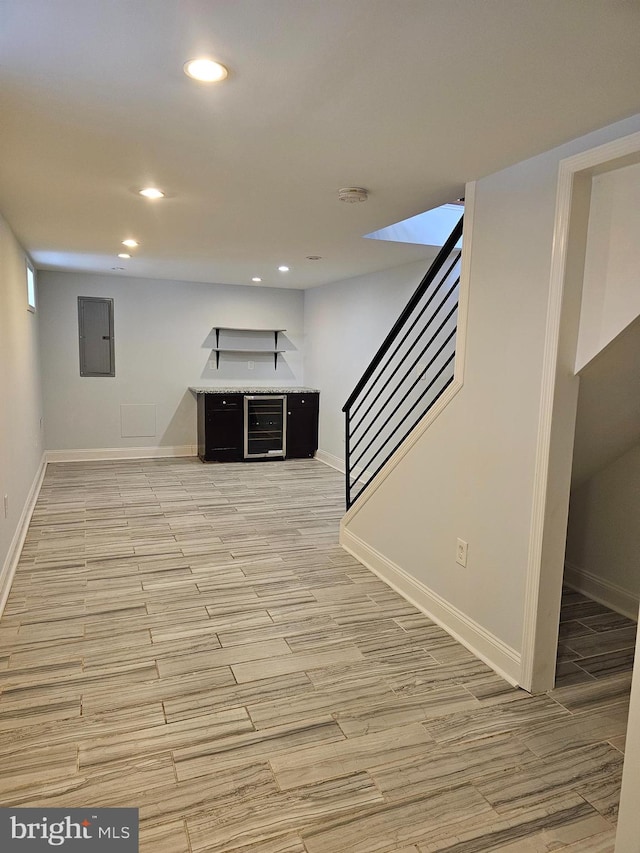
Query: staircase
point(407, 375)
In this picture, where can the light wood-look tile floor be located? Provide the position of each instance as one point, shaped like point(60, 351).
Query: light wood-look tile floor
point(190, 639)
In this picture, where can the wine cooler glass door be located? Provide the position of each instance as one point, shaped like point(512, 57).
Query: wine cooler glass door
point(265, 426)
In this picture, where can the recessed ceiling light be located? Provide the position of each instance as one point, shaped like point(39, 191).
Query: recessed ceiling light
point(124, 255)
point(205, 70)
point(283, 268)
point(151, 192)
point(130, 243)
point(256, 278)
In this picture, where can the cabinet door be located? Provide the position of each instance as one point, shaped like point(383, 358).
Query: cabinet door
point(302, 425)
point(222, 424)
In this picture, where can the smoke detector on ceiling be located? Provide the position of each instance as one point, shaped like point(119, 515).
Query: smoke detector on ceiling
point(353, 194)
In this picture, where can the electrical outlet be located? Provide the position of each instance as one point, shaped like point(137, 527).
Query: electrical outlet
point(250, 365)
point(461, 552)
point(6, 506)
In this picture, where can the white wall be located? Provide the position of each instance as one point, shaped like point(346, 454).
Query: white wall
point(163, 340)
point(20, 411)
point(610, 295)
point(603, 537)
point(345, 323)
point(471, 475)
point(608, 416)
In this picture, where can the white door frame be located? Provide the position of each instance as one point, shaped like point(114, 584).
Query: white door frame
point(558, 402)
point(556, 430)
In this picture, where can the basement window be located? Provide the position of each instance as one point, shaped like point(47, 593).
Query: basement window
point(96, 339)
point(31, 289)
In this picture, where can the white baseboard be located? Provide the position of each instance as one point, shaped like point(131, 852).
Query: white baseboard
point(504, 660)
point(330, 460)
point(15, 549)
point(610, 594)
point(105, 453)
point(358, 474)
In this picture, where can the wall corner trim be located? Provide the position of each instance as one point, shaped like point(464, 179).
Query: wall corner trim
point(15, 549)
point(500, 657)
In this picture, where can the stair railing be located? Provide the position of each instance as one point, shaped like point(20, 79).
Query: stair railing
point(407, 375)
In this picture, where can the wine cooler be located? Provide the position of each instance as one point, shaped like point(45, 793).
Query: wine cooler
point(265, 426)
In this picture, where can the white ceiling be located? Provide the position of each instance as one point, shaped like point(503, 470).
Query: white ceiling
point(407, 98)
